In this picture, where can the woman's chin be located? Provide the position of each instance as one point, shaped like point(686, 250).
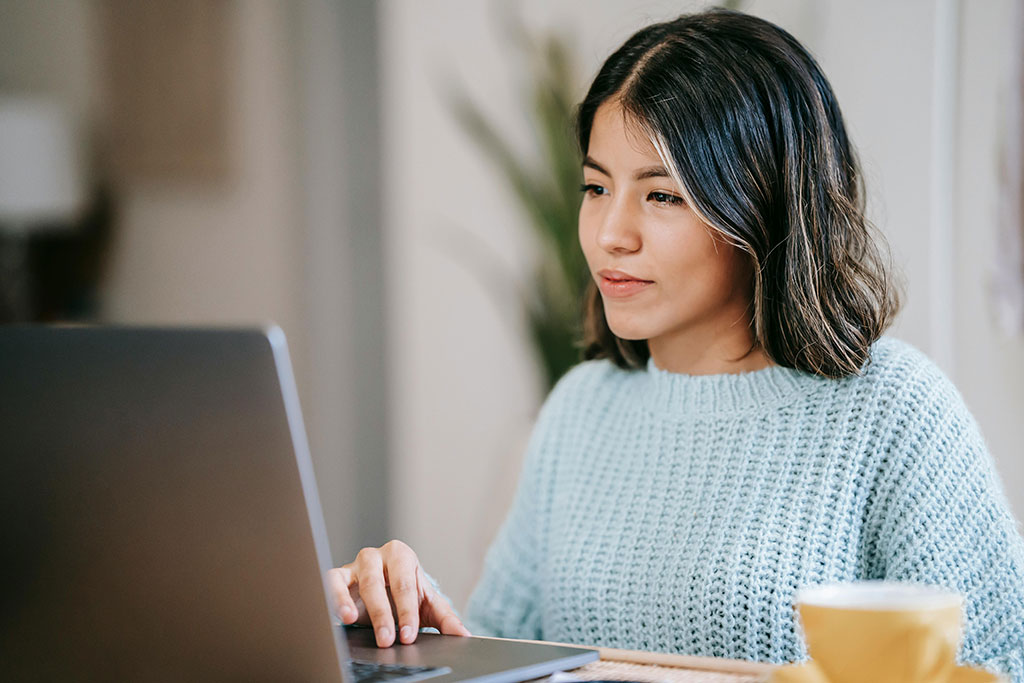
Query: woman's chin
point(628, 332)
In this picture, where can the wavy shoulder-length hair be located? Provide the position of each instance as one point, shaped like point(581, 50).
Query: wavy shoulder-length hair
point(748, 126)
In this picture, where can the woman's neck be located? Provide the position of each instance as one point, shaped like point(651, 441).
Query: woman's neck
point(710, 352)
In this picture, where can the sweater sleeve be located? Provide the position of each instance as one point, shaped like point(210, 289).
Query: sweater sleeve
point(506, 601)
point(949, 523)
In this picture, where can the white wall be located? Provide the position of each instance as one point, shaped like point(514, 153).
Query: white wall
point(989, 365)
point(465, 386)
point(222, 252)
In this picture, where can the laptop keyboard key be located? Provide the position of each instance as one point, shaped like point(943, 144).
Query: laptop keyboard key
point(376, 672)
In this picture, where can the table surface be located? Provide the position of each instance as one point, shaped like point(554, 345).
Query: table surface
point(655, 673)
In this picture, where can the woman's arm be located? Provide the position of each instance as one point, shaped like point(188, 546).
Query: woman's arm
point(948, 522)
point(505, 602)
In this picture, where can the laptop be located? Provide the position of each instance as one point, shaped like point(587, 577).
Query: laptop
point(159, 520)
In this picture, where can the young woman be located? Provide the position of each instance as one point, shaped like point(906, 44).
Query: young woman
point(740, 428)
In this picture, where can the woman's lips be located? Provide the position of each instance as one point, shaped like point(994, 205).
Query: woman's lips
point(622, 288)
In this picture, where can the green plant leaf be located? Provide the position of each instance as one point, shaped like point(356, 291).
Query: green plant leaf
point(548, 195)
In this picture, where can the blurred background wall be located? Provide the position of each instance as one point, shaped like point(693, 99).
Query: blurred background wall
point(356, 212)
point(275, 232)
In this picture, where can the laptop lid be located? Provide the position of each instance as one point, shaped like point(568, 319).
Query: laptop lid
point(159, 519)
point(153, 522)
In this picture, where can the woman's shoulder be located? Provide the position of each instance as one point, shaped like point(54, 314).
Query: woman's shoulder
point(592, 373)
point(912, 389)
point(899, 367)
point(585, 382)
point(892, 356)
point(588, 377)
point(563, 416)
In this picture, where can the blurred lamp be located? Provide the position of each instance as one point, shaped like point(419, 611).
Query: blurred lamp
point(39, 179)
point(40, 188)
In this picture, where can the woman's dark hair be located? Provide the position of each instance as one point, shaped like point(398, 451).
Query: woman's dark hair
point(746, 122)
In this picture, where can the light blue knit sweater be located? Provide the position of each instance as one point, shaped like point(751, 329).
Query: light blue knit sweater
point(677, 513)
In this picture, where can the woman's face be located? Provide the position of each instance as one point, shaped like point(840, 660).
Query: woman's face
point(682, 289)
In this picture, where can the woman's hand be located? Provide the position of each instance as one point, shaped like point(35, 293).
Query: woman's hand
point(385, 583)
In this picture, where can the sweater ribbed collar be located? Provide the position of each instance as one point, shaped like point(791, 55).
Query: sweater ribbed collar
point(681, 394)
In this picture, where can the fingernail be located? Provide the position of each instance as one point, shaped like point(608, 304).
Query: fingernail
point(406, 633)
point(383, 635)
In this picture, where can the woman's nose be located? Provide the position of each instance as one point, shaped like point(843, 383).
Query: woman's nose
point(618, 230)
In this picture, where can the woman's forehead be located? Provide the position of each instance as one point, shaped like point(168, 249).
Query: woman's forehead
point(615, 132)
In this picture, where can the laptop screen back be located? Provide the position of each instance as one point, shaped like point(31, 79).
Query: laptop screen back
point(152, 518)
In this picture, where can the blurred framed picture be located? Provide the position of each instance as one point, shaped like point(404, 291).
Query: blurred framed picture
point(167, 85)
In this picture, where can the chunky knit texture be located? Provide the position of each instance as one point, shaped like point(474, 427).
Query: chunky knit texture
point(680, 513)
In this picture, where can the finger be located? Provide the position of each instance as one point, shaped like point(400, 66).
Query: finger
point(401, 567)
point(369, 572)
point(443, 616)
point(339, 582)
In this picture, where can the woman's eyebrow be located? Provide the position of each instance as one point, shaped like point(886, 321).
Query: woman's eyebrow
point(641, 174)
point(651, 172)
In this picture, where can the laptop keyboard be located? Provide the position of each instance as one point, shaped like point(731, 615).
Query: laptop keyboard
point(372, 672)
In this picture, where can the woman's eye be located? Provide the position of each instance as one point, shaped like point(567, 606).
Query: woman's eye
point(590, 188)
point(665, 198)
